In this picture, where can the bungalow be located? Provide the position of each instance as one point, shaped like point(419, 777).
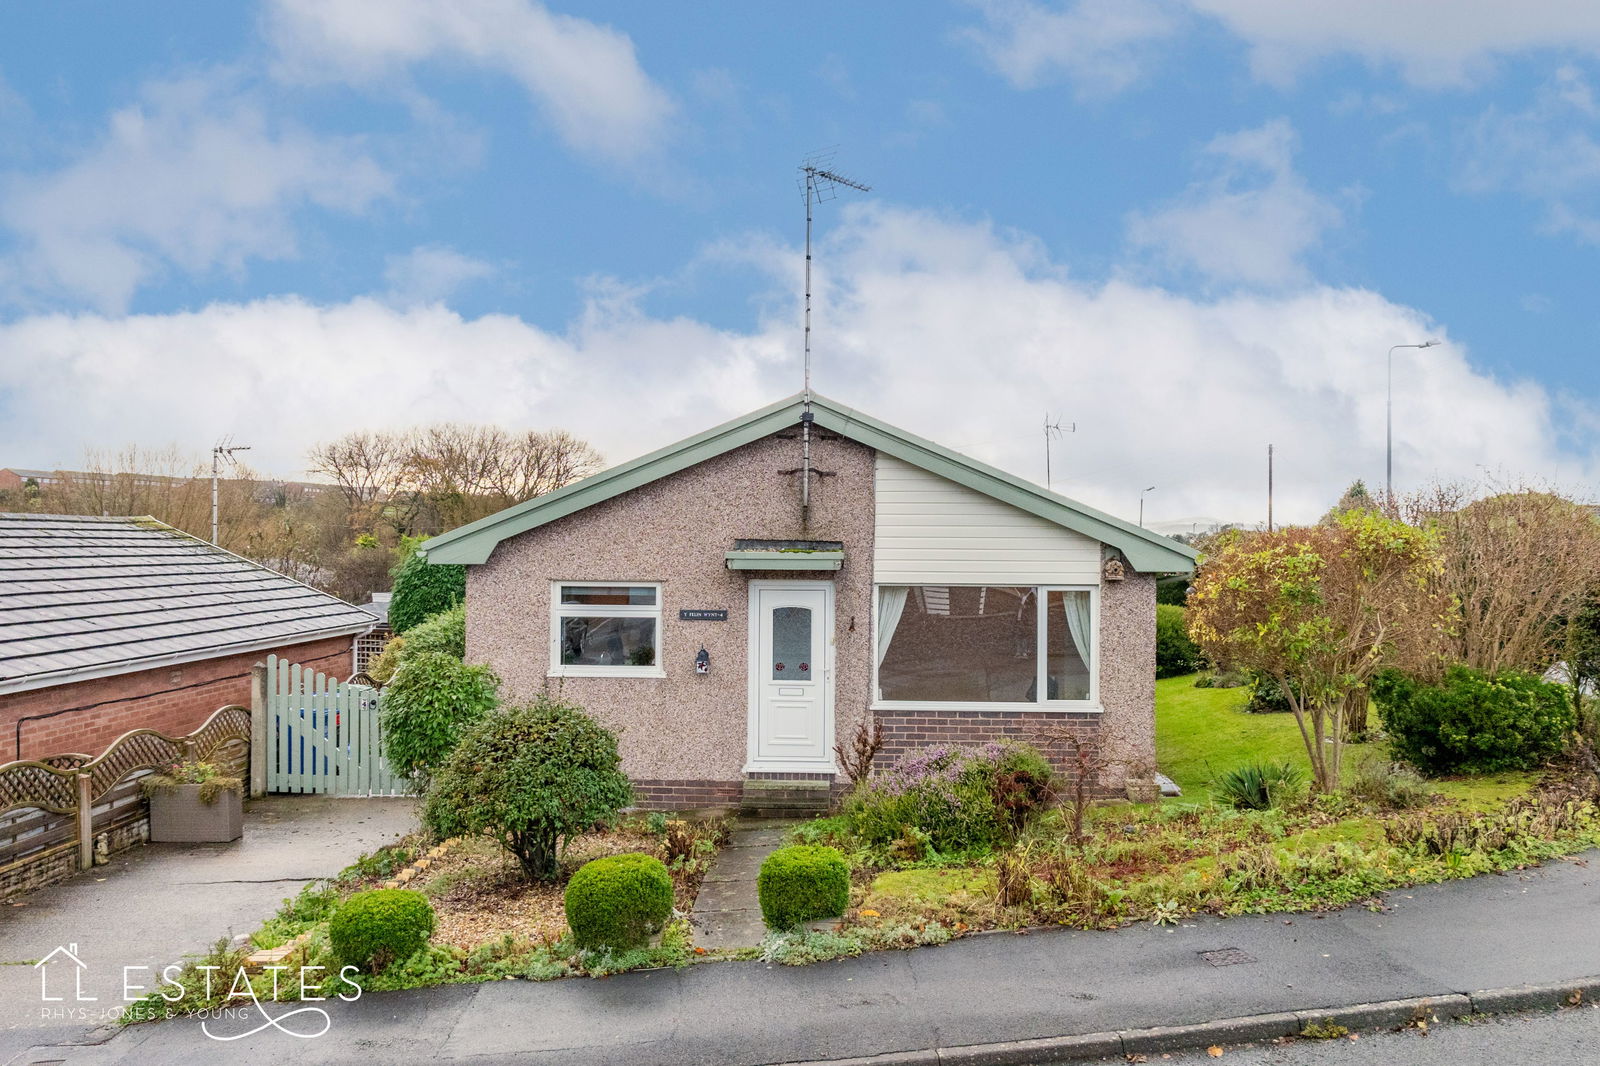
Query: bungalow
point(112, 624)
point(737, 604)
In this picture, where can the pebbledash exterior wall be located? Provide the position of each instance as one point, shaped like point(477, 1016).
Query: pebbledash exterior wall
point(684, 738)
point(86, 716)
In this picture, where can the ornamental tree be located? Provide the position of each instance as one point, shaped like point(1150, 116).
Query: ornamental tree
point(1318, 610)
point(531, 777)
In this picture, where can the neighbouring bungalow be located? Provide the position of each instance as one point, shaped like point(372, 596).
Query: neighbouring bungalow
point(738, 603)
point(113, 624)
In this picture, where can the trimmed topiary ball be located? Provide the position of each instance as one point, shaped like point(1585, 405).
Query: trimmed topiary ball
point(374, 929)
point(618, 902)
point(801, 884)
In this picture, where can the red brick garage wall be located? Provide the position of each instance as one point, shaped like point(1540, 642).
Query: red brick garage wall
point(173, 699)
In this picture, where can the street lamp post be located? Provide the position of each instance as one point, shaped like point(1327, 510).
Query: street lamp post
point(1152, 488)
point(1388, 424)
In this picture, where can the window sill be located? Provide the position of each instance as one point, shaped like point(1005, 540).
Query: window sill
point(1055, 707)
point(608, 671)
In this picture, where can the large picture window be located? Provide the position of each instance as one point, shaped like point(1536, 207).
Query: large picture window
point(605, 630)
point(979, 644)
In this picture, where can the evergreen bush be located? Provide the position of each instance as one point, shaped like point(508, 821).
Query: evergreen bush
point(377, 928)
point(431, 700)
point(1175, 652)
point(423, 589)
point(1473, 723)
point(617, 903)
point(802, 883)
point(530, 777)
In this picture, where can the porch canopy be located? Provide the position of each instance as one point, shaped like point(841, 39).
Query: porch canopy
point(786, 555)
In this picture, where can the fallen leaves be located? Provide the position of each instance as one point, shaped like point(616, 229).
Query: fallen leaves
point(1214, 1051)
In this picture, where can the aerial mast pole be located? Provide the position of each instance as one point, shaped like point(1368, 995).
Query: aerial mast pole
point(818, 183)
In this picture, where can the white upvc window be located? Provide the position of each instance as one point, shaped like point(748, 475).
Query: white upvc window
point(605, 629)
point(987, 647)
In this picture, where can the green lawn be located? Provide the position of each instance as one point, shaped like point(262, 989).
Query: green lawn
point(1204, 732)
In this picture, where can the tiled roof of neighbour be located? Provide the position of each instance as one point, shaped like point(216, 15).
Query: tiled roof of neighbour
point(88, 597)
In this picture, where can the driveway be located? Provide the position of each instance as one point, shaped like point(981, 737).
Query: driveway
point(155, 903)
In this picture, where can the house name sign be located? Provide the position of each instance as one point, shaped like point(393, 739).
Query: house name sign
point(703, 614)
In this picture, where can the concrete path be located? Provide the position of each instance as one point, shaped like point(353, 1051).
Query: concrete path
point(727, 912)
point(155, 903)
point(1489, 932)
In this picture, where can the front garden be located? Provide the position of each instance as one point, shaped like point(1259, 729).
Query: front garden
point(1347, 744)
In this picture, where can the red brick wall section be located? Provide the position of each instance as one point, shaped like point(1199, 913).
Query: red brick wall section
point(905, 731)
point(144, 700)
point(685, 795)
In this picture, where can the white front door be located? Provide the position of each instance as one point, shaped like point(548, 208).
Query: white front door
point(791, 665)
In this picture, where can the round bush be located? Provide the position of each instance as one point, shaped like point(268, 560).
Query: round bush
point(801, 884)
point(619, 901)
point(1472, 722)
point(379, 927)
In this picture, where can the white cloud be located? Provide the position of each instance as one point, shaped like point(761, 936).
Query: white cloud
point(1547, 152)
point(1434, 43)
point(1100, 46)
point(947, 328)
point(584, 76)
point(431, 273)
point(194, 176)
point(1250, 220)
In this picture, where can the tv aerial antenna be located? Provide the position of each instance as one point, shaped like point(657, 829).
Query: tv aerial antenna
point(1053, 431)
point(223, 449)
point(820, 183)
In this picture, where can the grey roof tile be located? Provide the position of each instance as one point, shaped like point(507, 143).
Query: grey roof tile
point(85, 594)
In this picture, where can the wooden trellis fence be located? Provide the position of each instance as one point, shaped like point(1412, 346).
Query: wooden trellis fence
point(56, 811)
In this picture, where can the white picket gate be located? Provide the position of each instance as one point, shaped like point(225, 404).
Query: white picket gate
point(323, 735)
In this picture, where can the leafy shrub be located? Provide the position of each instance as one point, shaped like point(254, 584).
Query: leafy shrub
point(1260, 786)
point(961, 799)
point(1266, 696)
point(444, 633)
point(618, 902)
point(379, 927)
point(530, 777)
point(431, 701)
point(1472, 722)
point(1175, 652)
point(382, 668)
point(1390, 786)
point(801, 883)
point(422, 590)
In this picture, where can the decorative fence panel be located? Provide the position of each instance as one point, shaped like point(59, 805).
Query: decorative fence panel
point(323, 735)
point(59, 813)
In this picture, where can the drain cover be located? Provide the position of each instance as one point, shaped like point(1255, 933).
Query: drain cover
point(1228, 957)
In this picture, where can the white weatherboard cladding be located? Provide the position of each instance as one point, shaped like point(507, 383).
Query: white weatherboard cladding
point(933, 531)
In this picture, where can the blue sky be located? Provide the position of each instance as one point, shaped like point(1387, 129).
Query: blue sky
point(1191, 226)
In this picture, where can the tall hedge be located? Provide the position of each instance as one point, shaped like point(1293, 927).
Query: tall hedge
point(1472, 722)
point(423, 589)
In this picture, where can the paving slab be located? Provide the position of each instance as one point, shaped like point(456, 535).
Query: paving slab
point(727, 912)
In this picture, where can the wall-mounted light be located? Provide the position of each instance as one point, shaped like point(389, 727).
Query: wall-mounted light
point(702, 662)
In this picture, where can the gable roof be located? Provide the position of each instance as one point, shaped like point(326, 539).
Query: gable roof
point(1146, 551)
point(84, 597)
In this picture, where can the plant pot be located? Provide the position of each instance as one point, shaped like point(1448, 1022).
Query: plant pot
point(179, 816)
